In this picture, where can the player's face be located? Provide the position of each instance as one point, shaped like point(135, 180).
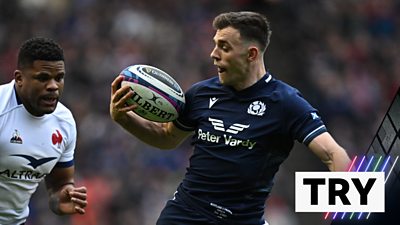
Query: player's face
point(40, 86)
point(230, 55)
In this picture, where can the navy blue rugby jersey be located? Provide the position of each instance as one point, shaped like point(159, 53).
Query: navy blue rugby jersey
point(241, 138)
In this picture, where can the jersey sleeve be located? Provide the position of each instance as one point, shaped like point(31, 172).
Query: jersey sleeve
point(185, 121)
point(67, 157)
point(302, 120)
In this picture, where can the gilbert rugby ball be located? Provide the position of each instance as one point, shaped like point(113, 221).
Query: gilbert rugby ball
point(158, 96)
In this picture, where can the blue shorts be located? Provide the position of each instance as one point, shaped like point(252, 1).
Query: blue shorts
point(178, 213)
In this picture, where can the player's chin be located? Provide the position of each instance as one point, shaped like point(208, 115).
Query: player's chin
point(47, 109)
point(223, 79)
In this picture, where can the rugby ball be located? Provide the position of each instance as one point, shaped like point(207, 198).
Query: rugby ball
point(158, 96)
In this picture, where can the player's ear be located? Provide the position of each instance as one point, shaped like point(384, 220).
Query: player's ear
point(252, 53)
point(18, 77)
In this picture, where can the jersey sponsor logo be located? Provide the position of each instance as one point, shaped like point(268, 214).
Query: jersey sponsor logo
point(213, 100)
point(27, 174)
point(233, 129)
point(256, 108)
point(16, 138)
point(22, 174)
point(56, 138)
point(33, 162)
point(227, 139)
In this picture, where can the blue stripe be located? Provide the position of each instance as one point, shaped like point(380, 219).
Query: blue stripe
point(65, 164)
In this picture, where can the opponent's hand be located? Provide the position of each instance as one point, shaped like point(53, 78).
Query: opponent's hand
point(72, 200)
point(119, 98)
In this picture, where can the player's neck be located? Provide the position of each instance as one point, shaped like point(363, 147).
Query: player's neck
point(253, 76)
point(260, 71)
point(256, 73)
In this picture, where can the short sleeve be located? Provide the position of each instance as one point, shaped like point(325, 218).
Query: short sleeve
point(185, 121)
point(67, 156)
point(302, 120)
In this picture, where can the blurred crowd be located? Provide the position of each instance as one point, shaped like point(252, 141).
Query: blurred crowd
point(343, 55)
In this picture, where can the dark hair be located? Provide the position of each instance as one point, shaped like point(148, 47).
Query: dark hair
point(251, 26)
point(39, 48)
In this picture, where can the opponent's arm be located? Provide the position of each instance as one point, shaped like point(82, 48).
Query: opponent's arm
point(330, 153)
point(161, 135)
point(64, 197)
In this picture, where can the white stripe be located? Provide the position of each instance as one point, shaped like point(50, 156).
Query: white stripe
point(387, 177)
point(268, 78)
point(391, 168)
point(312, 132)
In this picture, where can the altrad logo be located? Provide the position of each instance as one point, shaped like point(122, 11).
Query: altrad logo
point(34, 163)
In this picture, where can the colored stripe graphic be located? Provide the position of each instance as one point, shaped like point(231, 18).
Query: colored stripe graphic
point(390, 171)
point(348, 170)
point(374, 164)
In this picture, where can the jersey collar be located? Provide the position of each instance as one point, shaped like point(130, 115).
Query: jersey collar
point(19, 102)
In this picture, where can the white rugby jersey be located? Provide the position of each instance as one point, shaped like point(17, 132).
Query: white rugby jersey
point(30, 147)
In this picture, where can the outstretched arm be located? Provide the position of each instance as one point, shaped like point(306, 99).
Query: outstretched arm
point(330, 153)
point(161, 135)
point(64, 197)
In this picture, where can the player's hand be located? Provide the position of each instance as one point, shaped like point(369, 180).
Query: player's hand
point(119, 98)
point(73, 200)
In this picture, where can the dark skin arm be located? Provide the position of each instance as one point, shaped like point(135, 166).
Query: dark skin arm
point(64, 197)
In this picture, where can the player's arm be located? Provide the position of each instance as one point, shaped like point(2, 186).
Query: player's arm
point(64, 197)
point(160, 135)
point(330, 152)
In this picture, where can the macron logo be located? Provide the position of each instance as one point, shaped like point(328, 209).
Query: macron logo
point(233, 129)
point(213, 100)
